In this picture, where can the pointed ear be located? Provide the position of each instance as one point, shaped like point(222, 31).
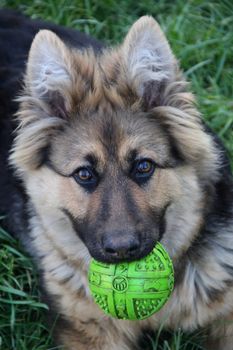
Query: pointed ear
point(149, 61)
point(48, 76)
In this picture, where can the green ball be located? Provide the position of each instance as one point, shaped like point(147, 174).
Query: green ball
point(134, 290)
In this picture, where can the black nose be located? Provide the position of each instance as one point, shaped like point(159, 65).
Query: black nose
point(121, 246)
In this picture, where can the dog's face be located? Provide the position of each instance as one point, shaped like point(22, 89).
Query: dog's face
point(111, 149)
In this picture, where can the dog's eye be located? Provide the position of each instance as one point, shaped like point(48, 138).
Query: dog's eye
point(85, 177)
point(143, 170)
point(84, 174)
point(144, 167)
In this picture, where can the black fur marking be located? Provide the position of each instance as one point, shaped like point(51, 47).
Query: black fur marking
point(225, 160)
point(70, 217)
point(162, 222)
point(19, 25)
point(153, 92)
point(177, 157)
point(104, 210)
point(132, 156)
point(109, 137)
point(228, 268)
point(92, 160)
point(215, 294)
point(175, 152)
point(44, 156)
point(57, 104)
point(51, 166)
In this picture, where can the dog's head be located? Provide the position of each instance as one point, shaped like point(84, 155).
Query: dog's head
point(110, 147)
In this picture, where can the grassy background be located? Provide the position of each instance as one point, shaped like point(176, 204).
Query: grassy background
point(201, 35)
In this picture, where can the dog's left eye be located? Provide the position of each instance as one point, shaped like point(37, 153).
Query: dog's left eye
point(85, 177)
point(143, 170)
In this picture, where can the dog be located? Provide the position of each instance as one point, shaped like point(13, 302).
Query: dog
point(108, 155)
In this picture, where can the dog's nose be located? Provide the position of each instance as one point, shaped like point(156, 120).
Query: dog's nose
point(120, 246)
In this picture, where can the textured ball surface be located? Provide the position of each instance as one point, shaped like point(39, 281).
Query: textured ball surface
point(134, 290)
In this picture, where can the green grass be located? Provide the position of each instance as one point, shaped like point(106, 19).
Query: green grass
point(201, 35)
point(22, 316)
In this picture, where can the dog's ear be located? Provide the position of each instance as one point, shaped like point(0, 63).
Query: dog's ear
point(49, 68)
point(150, 64)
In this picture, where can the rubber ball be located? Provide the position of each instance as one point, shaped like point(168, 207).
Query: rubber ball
point(133, 290)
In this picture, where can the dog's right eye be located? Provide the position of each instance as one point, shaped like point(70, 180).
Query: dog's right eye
point(85, 177)
point(142, 170)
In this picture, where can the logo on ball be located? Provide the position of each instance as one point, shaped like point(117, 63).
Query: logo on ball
point(120, 284)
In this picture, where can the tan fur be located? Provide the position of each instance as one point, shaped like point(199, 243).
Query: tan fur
point(96, 89)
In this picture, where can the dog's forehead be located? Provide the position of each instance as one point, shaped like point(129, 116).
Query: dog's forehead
point(106, 137)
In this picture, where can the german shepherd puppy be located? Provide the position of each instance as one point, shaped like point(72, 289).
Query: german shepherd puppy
point(111, 156)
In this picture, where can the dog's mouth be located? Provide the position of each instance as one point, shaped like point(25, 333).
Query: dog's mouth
point(110, 255)
point(98, 254)
point(148, 242)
